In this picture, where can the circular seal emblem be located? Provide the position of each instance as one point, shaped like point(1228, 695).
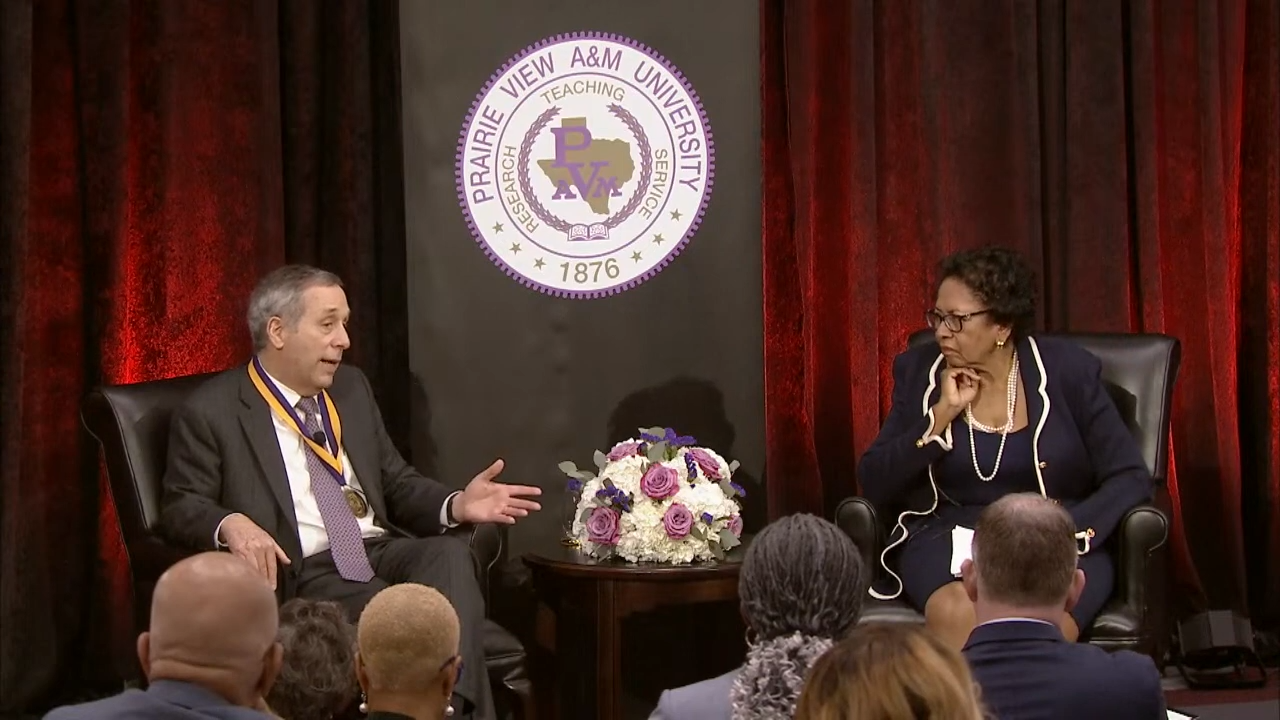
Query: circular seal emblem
point(585, 165)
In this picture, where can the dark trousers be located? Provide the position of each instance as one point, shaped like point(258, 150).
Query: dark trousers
point(444, 563)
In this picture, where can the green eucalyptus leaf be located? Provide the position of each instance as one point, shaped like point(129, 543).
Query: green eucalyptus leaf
point(656, 431)
point(733, 467)
point(728, 540)
point(585, 514)
point(568, 467)
point(601, 460)
point(657, 452)
point(716, 551)
point(584, 475)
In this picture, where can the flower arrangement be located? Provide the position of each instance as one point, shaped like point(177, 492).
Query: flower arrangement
point(657, 498)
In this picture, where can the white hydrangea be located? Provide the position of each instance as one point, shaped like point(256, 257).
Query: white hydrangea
point(643, 536)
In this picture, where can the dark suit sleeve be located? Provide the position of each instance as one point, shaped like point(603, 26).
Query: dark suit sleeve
point(893, 463)
point(1123, 481)
point(1145, 695)
point(189, 510)
point(413, 501)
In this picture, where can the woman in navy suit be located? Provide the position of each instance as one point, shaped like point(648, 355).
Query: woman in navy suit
point(990, 409)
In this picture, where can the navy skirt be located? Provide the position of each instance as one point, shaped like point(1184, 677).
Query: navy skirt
point(924, 563)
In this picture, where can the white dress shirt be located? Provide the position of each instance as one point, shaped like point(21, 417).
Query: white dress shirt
point(293, 449)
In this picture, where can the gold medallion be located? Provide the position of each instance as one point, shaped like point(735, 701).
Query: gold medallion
point(359, 507)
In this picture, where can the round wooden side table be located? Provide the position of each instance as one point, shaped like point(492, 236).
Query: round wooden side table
point(589, 598)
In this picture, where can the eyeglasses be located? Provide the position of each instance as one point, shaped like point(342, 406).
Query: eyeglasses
point(954, 323)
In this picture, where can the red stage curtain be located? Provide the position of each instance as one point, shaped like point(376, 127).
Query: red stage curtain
point(157, 158)
point(1129, 149)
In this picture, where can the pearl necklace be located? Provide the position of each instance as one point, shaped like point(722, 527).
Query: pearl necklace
point(1011, 394)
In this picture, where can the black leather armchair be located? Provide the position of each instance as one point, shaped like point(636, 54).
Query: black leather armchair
point(131, 424)
point(1139, 371)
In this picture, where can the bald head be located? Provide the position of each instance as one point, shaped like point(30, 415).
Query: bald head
point(213, 619)
point(1024, 548)
point(407, 632)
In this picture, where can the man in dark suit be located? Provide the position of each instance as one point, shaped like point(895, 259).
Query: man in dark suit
point(1022, 576)
point(211, 651)
point(286, 462)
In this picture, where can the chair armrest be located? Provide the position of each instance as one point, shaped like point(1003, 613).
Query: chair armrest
point(1140, 569)
point(487, 542)
point(857, 518)
point(152, 556)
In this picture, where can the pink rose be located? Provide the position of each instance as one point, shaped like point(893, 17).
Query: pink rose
point(735, 525)
point(707, 464)
point(602, 526)
point(623, 450)
point(678, 521)
point(660, 482)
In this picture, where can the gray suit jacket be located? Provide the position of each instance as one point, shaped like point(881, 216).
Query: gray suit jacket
point(163, 700)
point(706, 700)
point(224, 458)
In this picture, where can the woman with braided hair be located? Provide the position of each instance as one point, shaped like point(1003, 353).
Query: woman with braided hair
point(800, 590)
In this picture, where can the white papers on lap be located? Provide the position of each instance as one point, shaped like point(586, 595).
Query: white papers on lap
point(961, 547)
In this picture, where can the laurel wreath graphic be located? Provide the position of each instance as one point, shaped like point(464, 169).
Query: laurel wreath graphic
point(526, 187)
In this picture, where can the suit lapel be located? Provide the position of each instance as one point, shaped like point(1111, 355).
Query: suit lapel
point(255, 419)
point(1032, 376)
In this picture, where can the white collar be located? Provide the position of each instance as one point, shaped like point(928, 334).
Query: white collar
point(1016, 619)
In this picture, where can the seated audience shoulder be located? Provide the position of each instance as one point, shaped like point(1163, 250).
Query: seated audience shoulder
point(801, 588)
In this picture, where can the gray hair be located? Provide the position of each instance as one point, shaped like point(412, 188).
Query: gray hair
point(801, 588)
point(279, 294)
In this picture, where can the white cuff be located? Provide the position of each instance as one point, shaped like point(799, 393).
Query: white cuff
point(943, 440)
point(217, 543)
point(444, 511)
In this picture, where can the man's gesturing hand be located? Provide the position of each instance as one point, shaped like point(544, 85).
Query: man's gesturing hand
point(486, 501)
point(245, 539)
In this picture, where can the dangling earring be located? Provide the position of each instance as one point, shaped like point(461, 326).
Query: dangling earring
point(1000, 343)
point(364, 704)
point(448, 711)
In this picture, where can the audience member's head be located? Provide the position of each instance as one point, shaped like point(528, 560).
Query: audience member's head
point(407, 657)
point(213, 624)
point(1024, 560)
point(890, 671)
point(318, 678)
point(801, 587)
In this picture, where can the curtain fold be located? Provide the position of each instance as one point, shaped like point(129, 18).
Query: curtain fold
point(158, 158)
point(1127, 149)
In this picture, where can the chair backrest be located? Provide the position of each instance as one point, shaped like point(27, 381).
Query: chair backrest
point(131, 423)
point(1139, 370)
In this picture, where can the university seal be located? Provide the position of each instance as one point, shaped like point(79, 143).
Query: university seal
point(585, 165)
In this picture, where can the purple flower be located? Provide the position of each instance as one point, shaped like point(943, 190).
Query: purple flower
point(660, 482)
point(623, 450)
point(677, 521)
point(735, 525)
point(708, 518)
point(742, 492)
point(574, 485)
point(670, 437)
point(602, 526)
point(705, 462)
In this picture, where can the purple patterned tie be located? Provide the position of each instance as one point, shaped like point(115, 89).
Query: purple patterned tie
point(345, 543)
